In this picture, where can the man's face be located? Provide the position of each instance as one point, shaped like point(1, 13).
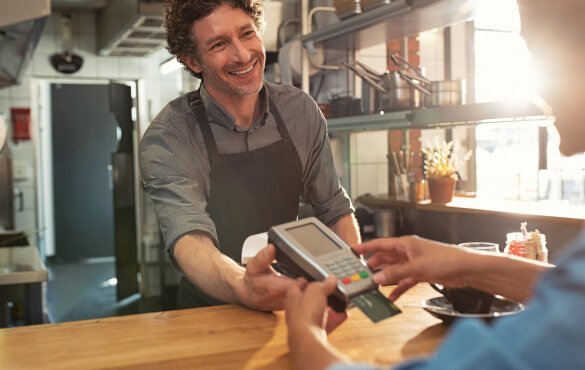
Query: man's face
point(231, 53)
point(553, 31)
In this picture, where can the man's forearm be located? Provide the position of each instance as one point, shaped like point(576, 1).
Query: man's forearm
point(347, 228)
point(207, 268)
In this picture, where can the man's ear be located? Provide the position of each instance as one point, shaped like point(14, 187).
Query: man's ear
point(191, 62)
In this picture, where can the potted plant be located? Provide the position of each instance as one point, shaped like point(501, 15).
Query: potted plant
point(440, 165)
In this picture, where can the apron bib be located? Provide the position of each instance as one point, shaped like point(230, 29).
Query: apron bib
point(250, 192)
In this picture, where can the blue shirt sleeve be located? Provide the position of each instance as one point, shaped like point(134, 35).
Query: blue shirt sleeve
point(549, 334)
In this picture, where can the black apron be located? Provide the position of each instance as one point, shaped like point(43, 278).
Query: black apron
point(249, 193)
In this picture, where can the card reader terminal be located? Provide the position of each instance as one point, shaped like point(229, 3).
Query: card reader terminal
point(308, 248)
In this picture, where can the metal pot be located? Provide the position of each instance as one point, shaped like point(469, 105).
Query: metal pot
point(402, 98)
point(371, 101)
point(449, 92)
point(405, 90)
point(406, 86)
point(372, 91)
point(392, 90)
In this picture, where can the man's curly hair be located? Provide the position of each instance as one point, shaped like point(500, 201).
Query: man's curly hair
point(180, 15)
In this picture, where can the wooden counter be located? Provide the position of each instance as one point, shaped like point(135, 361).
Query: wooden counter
point(565, 214)
point(22, 278)
point(222, 337)
point(21, 265)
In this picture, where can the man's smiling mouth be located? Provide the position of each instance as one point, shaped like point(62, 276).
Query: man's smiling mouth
point(239, 73)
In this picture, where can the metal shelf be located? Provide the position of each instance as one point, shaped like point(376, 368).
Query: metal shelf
point(398, 19)
point(386, 121)
point(440, 116)
point(403, 18)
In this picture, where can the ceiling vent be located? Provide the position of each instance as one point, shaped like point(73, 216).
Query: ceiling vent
point(130, 28)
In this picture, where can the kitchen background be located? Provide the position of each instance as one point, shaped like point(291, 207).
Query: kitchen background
point(505, 163)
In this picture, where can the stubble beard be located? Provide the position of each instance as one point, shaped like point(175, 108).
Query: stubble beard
point(212, 78)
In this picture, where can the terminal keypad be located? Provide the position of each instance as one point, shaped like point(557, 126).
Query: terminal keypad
point(348, 269)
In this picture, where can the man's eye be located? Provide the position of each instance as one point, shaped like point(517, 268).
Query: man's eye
point(217, 45)
point(248, 33)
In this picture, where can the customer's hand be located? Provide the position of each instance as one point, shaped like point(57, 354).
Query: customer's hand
point(307, 307)
point(410, 259)
point(261, 287)
point(309, 323)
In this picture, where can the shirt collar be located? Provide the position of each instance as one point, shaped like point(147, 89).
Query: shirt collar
point(219, 116)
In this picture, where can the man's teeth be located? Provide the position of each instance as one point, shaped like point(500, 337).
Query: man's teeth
point(244, 71)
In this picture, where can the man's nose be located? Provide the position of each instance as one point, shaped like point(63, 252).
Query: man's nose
point(240, 51)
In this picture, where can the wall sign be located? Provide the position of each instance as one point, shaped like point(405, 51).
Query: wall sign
point(20, 124)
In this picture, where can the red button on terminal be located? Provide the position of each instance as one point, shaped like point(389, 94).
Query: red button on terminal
point(346, 280)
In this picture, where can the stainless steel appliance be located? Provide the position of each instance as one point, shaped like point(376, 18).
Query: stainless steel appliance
point(6, 182)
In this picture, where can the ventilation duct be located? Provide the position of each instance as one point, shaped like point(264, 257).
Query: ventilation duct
point(21, 25)
point(130, 28)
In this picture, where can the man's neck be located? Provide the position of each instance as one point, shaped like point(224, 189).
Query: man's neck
point(245, 108)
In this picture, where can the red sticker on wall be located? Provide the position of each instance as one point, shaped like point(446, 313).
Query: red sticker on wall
point(20, 124)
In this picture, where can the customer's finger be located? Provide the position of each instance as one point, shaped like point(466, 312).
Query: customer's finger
point(402, 287)
point(393, 273)
point(379, 245)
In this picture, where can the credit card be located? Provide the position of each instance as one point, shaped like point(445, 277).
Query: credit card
point(375, 305)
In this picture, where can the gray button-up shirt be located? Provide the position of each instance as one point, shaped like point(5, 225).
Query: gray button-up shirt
point(175, 167)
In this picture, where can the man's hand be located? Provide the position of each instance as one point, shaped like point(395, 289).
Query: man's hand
point(261, 287)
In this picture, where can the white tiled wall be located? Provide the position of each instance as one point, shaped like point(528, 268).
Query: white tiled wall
point(157, 90)
point(432, 55)
point(368, 163)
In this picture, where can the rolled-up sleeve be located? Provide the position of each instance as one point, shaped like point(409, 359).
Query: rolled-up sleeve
point(321, 186)
point(175, 172)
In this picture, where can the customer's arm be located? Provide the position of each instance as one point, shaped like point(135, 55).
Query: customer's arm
point(410, 259)
point(256, 286)
point(306, 320)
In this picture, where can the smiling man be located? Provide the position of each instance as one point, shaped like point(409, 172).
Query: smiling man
point(233, 158)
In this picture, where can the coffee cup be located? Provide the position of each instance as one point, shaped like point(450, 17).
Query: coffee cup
point(467, 300)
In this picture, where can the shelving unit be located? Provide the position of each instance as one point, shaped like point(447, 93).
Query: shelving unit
point(398, 19)
point(440, 116)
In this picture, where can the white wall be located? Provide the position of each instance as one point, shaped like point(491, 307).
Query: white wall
point(156, 91)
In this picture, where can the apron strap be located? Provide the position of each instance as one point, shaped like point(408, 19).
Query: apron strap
point(196, 105)
point(279, 122)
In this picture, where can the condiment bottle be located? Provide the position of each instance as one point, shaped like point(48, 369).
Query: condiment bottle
point(515, 244)
point(527, 244)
